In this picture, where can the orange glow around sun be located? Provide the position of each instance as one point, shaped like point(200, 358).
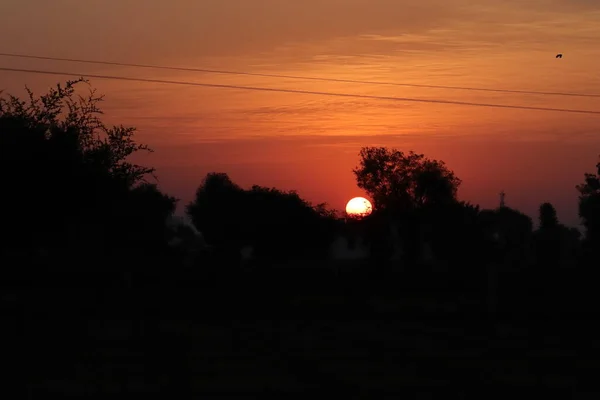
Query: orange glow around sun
point(359, 207)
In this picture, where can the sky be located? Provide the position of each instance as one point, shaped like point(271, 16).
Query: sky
point(310, 143)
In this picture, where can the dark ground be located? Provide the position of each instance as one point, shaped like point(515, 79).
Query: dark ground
point(351, 337)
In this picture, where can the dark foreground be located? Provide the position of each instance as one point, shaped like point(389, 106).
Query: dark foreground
point(353, 336)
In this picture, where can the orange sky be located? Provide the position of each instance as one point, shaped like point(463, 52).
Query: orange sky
point(310, 143)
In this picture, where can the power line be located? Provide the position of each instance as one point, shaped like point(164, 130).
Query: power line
point(214, 71)
point(264, 89)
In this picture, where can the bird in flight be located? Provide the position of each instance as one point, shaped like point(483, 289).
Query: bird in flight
point(559, 55)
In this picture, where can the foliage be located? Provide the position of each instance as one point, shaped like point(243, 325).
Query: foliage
point(547, 216)
point(589, 204)
point(555, 244)
point(70, 187)
point(62, 112)
point(510, 231)
point(278, 224)
point(216, 210)
point(404, 181)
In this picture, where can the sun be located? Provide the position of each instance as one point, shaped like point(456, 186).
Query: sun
point(359, 207)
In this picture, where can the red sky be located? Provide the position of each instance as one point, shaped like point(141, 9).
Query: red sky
point(310, 143)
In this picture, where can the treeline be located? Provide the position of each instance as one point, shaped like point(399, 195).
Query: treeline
point(72, 199)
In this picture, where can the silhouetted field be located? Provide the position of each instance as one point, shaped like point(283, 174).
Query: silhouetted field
point(241, 336)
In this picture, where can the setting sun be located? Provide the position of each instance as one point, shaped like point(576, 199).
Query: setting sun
point(359, 206)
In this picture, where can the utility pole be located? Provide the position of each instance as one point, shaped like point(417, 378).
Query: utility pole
point(502, 195)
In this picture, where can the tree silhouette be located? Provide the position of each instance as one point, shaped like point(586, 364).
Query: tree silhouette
point(400, 181)
point(278, 224)
point(76, 215)
point(555, 244)
point(287, 226)
point(145, 214)
point(62, 116)
point(548, 218)
point(218, 211)
point(548, 237)
point(71, 189)
point(589, 205)
point(509, 231)
point(407, 189)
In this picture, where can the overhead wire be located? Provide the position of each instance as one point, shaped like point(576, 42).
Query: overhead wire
point(216, 71)
point(295, 91)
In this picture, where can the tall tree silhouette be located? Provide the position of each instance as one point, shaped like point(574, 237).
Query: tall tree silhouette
point(548, 237)
point(77, 215)
point(555, 244)
point(548, 217)
point(218, 211)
